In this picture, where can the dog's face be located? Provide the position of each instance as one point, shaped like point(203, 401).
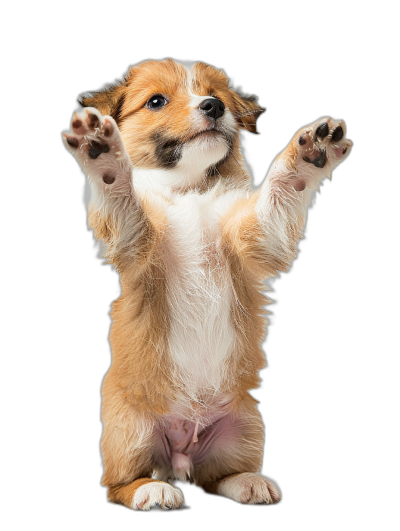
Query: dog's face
point(179, 121)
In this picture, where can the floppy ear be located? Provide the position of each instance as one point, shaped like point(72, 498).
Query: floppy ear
point(246, 111)
point(108, 101)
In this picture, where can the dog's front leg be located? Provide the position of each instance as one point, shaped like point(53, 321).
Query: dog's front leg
point(115, 212)
point(296, 173)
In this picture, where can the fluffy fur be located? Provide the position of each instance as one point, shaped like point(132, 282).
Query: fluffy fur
point(193, 243)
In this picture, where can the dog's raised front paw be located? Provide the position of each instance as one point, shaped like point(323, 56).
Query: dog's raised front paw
point(315, 151)
point(324, 142)
point(96, 143)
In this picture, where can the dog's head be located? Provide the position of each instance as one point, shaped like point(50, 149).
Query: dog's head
point(181, 123)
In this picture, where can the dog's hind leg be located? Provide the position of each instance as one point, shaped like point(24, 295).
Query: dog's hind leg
point(230, 455)
point(129, 443)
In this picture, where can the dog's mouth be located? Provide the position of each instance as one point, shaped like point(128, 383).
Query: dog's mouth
point(207, 133)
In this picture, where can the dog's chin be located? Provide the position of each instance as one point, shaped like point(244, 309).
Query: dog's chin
point(208, 146)
point(208, 139)
point(205, 149)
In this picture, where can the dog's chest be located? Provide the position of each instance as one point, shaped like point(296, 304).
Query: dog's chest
point(192, 250)
point(199, 293)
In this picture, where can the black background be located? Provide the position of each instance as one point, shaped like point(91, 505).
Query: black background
point(314, 397)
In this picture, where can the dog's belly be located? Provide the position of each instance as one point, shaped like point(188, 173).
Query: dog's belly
point(199, 295)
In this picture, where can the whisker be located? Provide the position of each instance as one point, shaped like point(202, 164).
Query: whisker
point(247, 113)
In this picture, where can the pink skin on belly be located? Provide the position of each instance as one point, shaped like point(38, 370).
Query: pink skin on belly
point(184, 443)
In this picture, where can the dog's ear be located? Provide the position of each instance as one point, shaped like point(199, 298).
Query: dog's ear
point(246, 111)
point(107, 101)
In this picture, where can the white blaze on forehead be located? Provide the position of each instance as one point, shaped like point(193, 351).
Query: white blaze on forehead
point(196, 100)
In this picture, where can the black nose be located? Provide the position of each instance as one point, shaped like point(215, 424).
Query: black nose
point(212, 107)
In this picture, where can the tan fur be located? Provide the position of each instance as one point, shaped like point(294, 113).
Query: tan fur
point(106, 101)
point(140, 387)
point(242, 239)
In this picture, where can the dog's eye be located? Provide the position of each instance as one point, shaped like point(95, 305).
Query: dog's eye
point(156, 102)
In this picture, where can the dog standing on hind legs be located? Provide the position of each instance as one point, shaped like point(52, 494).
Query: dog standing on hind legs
point(193, 243)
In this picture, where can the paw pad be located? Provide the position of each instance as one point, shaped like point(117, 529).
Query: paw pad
point(322, 130)
point(93, 120)
point(337, 134)
point(72, 141)
point(323, 142)
point(108, 179)
point(319, 161)
point(77, 124)
point(97, 148)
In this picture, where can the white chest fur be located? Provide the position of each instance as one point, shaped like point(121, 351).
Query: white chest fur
point(199, 292)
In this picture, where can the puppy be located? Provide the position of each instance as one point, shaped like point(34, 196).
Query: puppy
point(193, 243)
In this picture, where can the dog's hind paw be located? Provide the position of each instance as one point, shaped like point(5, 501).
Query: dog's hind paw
point(247, 488)
point(157, 493)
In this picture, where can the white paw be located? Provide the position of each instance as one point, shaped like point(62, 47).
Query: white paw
point(319, 148)
point(94, 135)
point(157, 493)
point(249, 488)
